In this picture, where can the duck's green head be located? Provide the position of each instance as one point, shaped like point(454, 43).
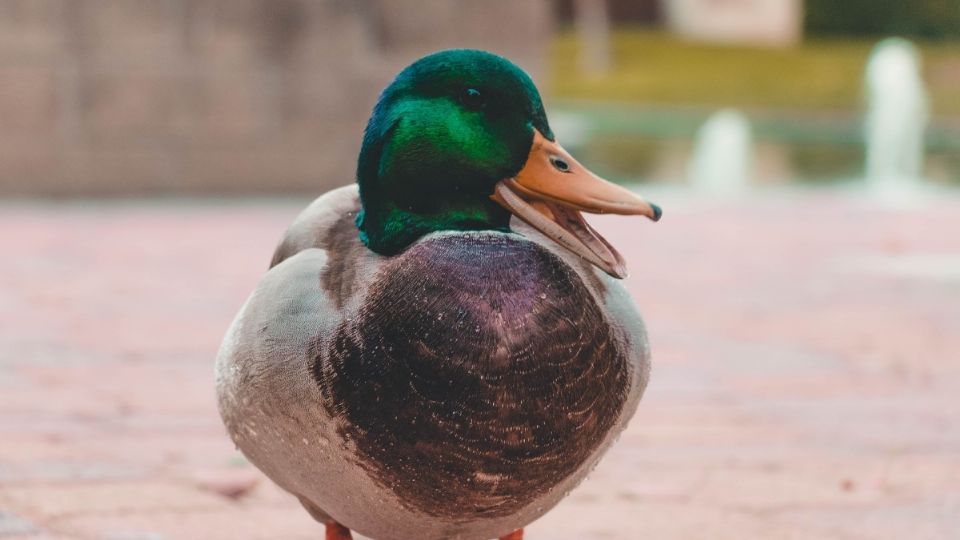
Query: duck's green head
point(460, 141)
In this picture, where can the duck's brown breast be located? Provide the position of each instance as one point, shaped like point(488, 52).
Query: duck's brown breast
point(479, 373)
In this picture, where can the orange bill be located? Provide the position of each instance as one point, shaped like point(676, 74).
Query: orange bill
point(552, 190)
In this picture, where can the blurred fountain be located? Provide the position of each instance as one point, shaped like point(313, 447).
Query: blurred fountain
point(723, 155)
point(897, 116)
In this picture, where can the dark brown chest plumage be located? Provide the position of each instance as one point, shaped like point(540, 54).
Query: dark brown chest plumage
point(479, 373)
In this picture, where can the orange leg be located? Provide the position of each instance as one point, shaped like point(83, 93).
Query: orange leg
point(336, 531)
point(515, 535)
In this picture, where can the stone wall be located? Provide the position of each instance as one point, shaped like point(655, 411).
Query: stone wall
point(217, 96)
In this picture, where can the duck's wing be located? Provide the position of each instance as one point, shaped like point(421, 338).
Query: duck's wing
point(329, 223)
point(265, 391)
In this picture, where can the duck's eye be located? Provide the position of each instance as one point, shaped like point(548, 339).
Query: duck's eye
point(471, 98)
point(560, 164)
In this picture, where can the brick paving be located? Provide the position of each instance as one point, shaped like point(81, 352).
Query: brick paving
point(806, 380)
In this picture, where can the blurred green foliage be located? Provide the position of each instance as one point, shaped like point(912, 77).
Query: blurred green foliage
point(929, 19)
point(821, 74)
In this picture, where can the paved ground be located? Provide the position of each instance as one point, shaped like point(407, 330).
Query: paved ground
point(806, 380)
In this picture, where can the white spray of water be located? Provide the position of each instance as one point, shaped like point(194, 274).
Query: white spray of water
point(897, 115)
point(723, 156)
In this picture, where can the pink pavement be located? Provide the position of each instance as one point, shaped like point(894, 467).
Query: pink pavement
point(806, 379)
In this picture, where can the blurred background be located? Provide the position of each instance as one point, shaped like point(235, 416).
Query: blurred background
point(134, 97)
point(802, 292)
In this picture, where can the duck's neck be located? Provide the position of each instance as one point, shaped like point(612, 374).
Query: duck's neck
point(389, 226)
point(405, 194)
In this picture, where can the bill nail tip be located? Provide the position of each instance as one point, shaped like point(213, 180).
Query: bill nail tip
point(657, 212)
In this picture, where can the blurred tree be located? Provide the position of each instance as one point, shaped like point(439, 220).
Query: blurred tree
point(933, 19)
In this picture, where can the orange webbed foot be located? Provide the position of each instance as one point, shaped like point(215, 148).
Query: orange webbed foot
point(336, 531)
point(515, 535)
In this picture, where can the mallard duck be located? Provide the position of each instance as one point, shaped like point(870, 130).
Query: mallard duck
point(444, 349)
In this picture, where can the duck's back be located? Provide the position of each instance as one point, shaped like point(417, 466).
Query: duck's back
point(470, 380)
